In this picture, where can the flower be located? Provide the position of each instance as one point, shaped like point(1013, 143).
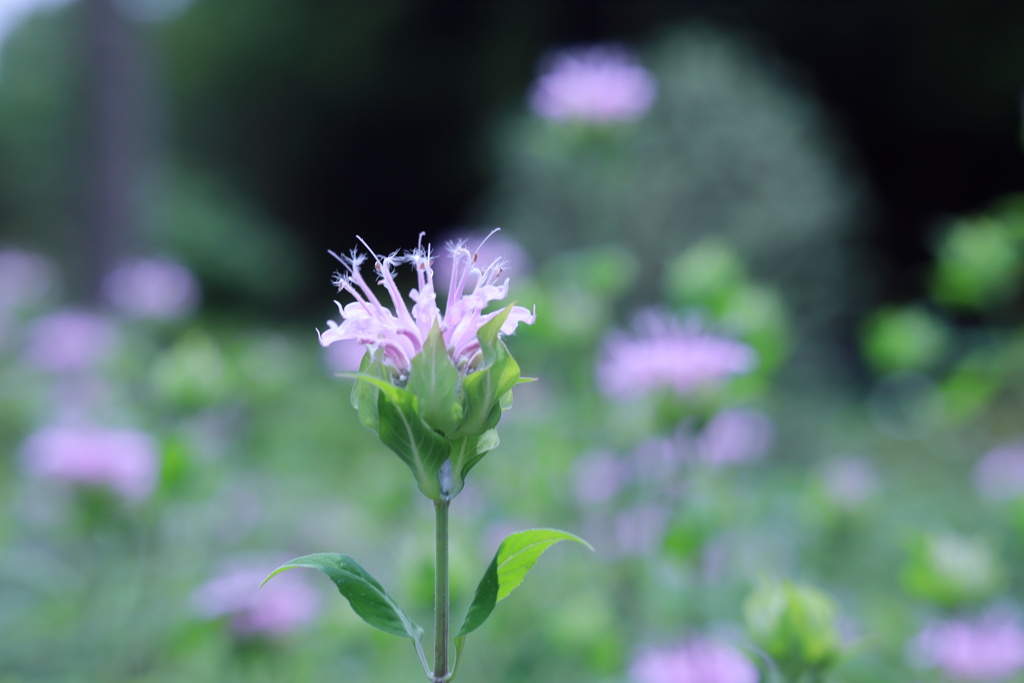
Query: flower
point(999, 475)
point(598, 84)
point(69, 341)
point(849, 481)
point(988, 648)
point(599, 477)
point(668, 353)
point(124, 461)
point(736, 435)
point(152, 288)
point(401, 333)
point(701, 660)
point(25, 278)
point(275, 609)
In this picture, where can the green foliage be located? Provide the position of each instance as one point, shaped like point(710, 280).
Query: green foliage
point(364, 593)
point(707, 274)
point(904, 339)
point(795, 626)
point(953, 571)
point(980, 264)
point(516, 556)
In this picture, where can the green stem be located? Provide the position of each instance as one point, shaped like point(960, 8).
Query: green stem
point(441, 590)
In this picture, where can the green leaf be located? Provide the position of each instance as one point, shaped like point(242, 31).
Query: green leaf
point(487, 335)
point(467, 452)
point(516, 555)
point(482, 392)
point(364, 394)
point(413, 440)
point(366, 596)
point(435, 381)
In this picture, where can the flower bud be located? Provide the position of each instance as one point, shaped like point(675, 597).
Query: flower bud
point(952, 570)
point(794, 625)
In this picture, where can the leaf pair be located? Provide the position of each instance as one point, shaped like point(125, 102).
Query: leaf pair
point(516, 556)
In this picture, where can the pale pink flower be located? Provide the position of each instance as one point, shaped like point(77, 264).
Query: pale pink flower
point(735, 435)
point(276, 609)
point(999, 475)
point(849, 481)
point(596, 84)
point(668, 353)
point(599, 477)
point(125, 461)
point(25, 277)
point(988, 648)
point(69, 341)
point(640, 529)
point(152, 288)
point(401, 333)
point(701, 660)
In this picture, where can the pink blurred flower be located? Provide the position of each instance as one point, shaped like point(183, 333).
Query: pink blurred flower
point(69, 341)
point(658, 460)
point(401, 334)
point(597, 84)
point(276, 609)
point(999, 475)
point(736, 435)
point(849, 481)
point(599, 477)
point(668, 353)
point(152, 288)
point(700, 660)
point(124, 461)
point(989, 648)
point(24, 278)
point(640, 529)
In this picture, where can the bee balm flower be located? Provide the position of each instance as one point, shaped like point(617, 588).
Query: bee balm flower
point(402, 333)
point(700, 660)
point(432, 384)
point(668, 353)
point(596, 84)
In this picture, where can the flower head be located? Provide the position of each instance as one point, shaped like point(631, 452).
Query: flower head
point(700, 660)
point(597, 84)
point(69, 341)
point(152, 288)
point(433, 385)
point(122, 460)
point(669, 353)
point(273, 610)
point(989, 648)
point(999, 475)
point(735, 435)
point(401, 333)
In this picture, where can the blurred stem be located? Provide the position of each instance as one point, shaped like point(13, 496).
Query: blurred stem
point(441, 590)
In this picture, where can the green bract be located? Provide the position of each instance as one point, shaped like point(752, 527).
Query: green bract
point(441, 420)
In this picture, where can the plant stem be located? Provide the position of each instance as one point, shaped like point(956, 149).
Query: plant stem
point(441, 590)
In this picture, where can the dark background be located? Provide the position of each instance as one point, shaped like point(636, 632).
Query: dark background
point(338, 118)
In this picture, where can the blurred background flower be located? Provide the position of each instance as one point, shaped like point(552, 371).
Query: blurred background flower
point(593, 84)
